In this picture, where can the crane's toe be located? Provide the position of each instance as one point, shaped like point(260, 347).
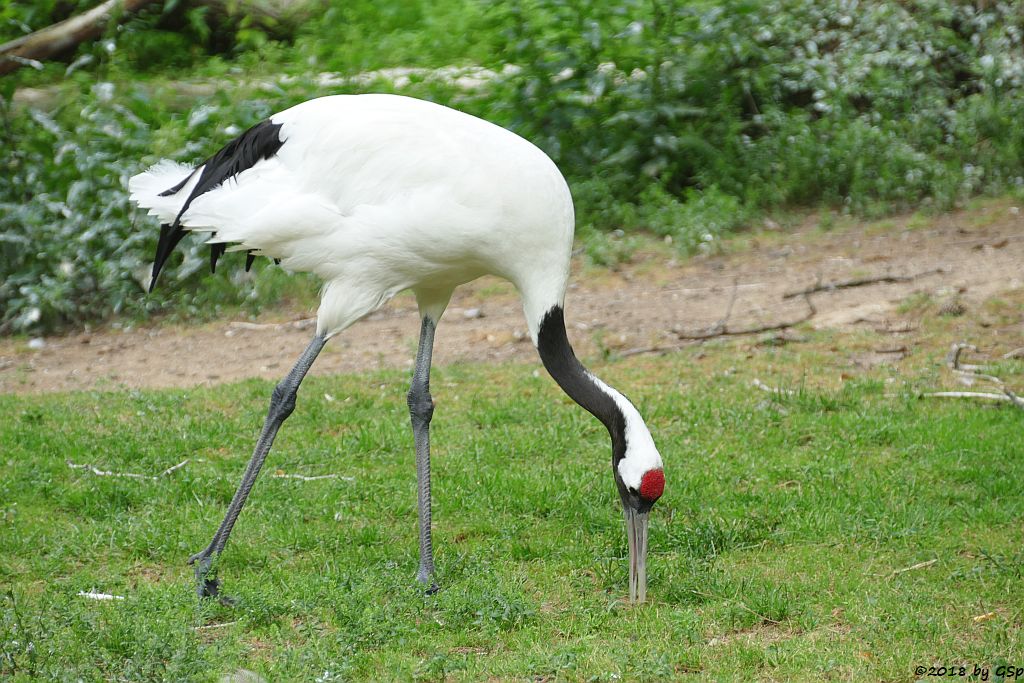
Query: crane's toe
point(426, 578)
point(208, 586)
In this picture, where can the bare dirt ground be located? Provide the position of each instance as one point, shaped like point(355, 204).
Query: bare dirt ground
point(957, 261)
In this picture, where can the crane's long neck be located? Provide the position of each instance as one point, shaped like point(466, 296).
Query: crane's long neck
point(597, 397)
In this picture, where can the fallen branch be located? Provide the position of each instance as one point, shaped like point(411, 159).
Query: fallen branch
point(953, 357)
point(302, 477)
point(968, 394)
point(721, 328)
point(723, 321)
point(968, 374)
point(1016, 353)
point(129, 475)
point(276, 19)
point(65, 35)
point(859, 282)
point(638, 350)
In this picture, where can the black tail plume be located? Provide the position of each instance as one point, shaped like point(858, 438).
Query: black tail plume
point(260, 142)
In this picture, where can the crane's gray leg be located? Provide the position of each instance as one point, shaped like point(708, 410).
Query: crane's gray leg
point(421, 409)
point(282, 403)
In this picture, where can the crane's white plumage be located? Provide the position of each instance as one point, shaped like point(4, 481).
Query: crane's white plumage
point(380, 193)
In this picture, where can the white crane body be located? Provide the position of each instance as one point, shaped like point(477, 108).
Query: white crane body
point(422, 197)
point(377, 194)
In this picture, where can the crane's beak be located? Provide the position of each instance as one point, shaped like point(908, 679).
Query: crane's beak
point(636, 531)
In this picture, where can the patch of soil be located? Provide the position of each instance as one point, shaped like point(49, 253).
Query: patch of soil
point(961, 259)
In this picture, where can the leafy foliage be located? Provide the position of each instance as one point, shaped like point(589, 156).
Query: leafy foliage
point(682, 119)
point(71, 247)
point(773, 103)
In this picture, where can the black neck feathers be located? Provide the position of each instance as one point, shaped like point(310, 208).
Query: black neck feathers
point(561, 363)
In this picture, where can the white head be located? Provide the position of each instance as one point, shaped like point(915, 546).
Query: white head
point(637, 464)
point(640, 478)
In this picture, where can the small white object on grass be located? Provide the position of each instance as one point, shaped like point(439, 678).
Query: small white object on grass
point(99, 596)
point(301, 477)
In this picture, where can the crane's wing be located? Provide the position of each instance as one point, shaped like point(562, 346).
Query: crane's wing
point(258, 143)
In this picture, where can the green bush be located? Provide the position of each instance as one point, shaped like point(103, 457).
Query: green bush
point(681, 119)
point(774, 103)
point(72, 248)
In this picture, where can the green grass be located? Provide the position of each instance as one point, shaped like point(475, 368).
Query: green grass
point(775, 552)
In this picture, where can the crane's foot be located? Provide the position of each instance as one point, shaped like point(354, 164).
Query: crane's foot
point(426, 578)
point(207, 584)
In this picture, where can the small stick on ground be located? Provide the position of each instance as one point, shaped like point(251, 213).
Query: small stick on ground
point(967, 394)
point(721, 328)
point(859, 282)
point(720, 325)
point(302, 324)
point(639, 350)
point(1016, 353)
point(919, 565)
point(953, 357)
point(128, 475)
point(302, 477)
point(772, 390)
point(970, 373)
point(211, 626)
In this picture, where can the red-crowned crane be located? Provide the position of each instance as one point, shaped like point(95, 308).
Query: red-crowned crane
point(377, 194)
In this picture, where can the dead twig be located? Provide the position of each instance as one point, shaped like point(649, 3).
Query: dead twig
point(639, 350)
point(900, 328)
point(721, 328)
point(302, 477)
point(953, 357)
point(715, 288)
point(172, 468)
point(859, 282)
point(772, 390)
point(968, 374)
point(128, 475)
point(720, 325)
point(919, 565)
point(212, 626)
point(1016, 353)
point(967, 394)
point(303, 324)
